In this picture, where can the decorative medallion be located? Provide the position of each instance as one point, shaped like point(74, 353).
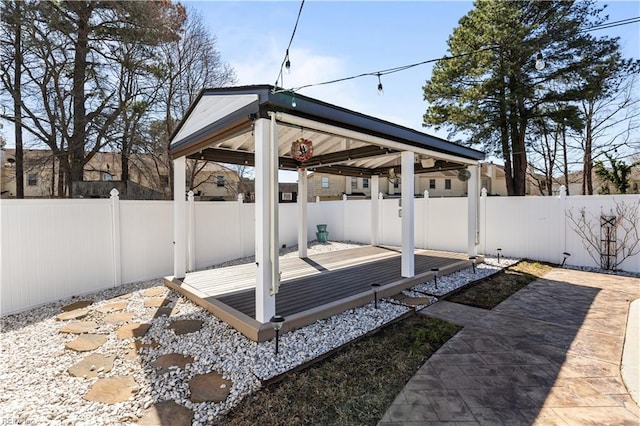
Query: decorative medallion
point(302, 150)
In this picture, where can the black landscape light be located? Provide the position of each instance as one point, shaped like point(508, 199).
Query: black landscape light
point(473, 263)
point(375, 287)
point(277, 321)
point(435, 276)
point(565, 254)
point(499, 251)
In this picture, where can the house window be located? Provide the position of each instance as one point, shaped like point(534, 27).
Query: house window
point(107, 177)
point(164, 180)
point(325, 182)
point(32, 179)
point(432, 184)
point(543, 185)
point(287, 196)
point(396, 185)
point(354, 183)
point(365, 183)
point(220, 180)
point(447, 184)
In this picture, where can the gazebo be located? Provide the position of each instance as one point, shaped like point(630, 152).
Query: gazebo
point(272, 129)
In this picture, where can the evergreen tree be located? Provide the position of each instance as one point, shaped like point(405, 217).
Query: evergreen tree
point(490, 89)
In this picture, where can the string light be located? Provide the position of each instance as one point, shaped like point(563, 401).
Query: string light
point(540, 62)
point(444, 58)
point(286, 62)
point(380, 89)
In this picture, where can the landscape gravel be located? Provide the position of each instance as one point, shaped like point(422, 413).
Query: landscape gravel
point(35, 387)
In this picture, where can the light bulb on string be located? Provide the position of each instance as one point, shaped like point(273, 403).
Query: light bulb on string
point(540, 64)
point(380, 89)
point(293, 100)
point(287, 63)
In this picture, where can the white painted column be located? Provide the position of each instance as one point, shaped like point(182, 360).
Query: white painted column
point(240, 201)
point(483, 220)
point(115, 237)
point(408, 245)
point(191, 232)
point(265, 302)
point(473, 187)
point(302, 213)
point(179, 217)
point(425, 218)
point(375, 209)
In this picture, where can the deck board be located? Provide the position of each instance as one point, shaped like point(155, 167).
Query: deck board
point(317, 287)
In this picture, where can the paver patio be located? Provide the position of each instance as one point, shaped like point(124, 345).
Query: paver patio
point(550, 354)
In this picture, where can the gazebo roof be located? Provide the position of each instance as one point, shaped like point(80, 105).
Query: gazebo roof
point(219, 127)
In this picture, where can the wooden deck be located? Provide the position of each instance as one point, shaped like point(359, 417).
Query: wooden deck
point(312, 288)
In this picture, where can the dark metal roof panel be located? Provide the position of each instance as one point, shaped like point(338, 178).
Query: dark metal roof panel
point(274, 99)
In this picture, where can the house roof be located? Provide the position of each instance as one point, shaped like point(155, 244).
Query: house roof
point(218, 127)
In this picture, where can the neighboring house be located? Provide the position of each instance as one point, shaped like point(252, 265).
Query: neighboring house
point(149, 177)
point(538, 184)
point(439, 184)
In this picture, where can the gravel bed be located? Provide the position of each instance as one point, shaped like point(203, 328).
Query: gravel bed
point(36, 388)
point(451, 282)
point(604, 271)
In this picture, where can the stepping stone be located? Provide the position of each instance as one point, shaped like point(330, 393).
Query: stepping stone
point(92, 365)
point(185, 326)
point(156, 302)
point(79, 327)
point(86, 342)
point(165, 311)
point(123, 296)
point(166, 413)
point(415, 301)
point(154, 291)
point(110, 307)
point(209, 387)
point(75, 314)
point(137, 346)
point(112, 390)
point(135, 329)
point(76, 305)
point(162, 363)
point(117, 317)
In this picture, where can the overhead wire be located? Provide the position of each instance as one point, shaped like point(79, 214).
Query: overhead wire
point(286, 59)
point(380, 73)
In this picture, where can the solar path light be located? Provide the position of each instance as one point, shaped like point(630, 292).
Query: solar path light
point(473, 263)
point(277, 321)
point(435, 276)
point(375, 287)
point(566, 255)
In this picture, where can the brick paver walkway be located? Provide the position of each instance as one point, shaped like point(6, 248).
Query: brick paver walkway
point(550, 354)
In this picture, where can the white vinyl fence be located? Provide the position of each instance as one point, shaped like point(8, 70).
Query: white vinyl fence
point(54, 249)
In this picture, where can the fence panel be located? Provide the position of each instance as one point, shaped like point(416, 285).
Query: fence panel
point(52, 249)
point(146, 230)
point(593, 206)
point(526, 227)
point(447, 224)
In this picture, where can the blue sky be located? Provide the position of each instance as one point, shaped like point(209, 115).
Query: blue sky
point(340, 39)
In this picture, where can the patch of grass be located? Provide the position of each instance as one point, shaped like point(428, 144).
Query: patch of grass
point(354, 386)
point(489, 292)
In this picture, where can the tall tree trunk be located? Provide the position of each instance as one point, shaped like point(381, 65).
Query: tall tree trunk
point(17, 100)
point(565, 158)
point(587, 159)
point(78, 137)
